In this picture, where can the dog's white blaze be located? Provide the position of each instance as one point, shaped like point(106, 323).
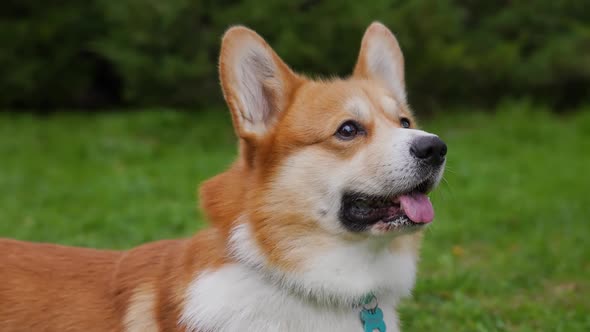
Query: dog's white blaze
point(359, 108)
point(389, 105)
point(250, 296)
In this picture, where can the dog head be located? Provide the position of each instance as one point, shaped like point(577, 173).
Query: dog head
point(341, 155)
point(329, 191)
point(328, 194)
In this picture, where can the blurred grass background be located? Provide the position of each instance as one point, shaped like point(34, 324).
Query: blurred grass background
point(508, 250)
point(112, 114)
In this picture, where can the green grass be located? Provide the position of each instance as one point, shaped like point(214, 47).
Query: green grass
point(509, 250)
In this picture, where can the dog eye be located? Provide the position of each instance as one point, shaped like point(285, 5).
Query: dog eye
point(349, 130)
point(405, 122)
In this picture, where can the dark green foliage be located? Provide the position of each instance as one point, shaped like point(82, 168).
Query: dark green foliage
point(147, 52)
point(46, 58)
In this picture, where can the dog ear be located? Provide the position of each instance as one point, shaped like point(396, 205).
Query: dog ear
point(381, 58)
point(256, 83)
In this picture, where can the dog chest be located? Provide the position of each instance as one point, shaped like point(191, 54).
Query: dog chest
point(235, 298)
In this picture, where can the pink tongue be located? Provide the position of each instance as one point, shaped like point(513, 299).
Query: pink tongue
point(417, 207)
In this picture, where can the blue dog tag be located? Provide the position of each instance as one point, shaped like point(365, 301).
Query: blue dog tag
point(372, 318)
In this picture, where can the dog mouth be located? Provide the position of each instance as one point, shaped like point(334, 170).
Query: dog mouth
point(405, 210)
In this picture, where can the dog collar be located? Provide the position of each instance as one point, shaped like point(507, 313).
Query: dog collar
point(371, 315)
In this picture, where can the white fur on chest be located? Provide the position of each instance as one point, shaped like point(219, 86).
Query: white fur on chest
point(251, 296)
point(236, 298)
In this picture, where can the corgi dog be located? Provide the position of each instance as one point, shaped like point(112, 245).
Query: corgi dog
point(315, 227)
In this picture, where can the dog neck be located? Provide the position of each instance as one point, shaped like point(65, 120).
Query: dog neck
point(248, 293)
point(334, 273)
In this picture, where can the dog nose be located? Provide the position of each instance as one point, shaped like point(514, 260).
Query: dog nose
point(429, 149)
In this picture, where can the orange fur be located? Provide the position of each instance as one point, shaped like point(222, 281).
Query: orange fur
point(46, 287)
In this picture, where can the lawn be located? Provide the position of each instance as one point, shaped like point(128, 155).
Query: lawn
point(509, 250)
